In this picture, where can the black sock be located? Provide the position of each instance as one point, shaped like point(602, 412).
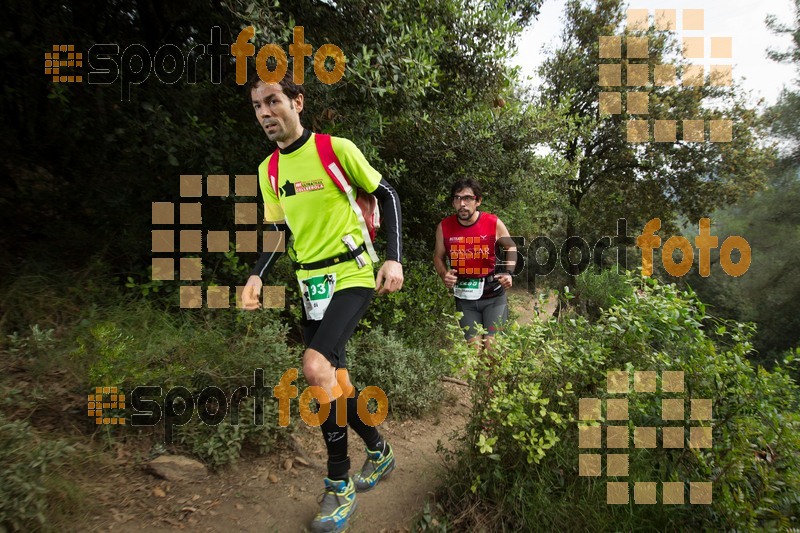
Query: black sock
point(372, 438)
point(336, 442)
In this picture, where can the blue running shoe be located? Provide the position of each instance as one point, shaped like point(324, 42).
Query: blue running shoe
point(377, 466)
point(338, 505)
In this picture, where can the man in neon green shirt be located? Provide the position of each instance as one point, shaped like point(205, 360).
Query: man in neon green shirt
point(335, 274)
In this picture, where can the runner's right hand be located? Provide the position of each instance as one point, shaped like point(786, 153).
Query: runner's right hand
point(450, 278)
point(251, 294)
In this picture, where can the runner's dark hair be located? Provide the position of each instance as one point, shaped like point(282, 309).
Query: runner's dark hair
point(464, 183)
point(290, 88)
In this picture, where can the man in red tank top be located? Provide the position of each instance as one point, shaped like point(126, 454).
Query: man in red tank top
point(467, 241)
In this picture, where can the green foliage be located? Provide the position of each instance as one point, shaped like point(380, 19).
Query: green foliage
point(518, 463)
point(417, 314)
point(615, 178)
point(31, 492)
point(767, 293)
point(430, 519)
point(598, 290)
point(769, 220)
point(784, 114)
point(223, 443)
point(408, 376)
point(139, 344)
point(51, 301)
point(39, 342)
point(263, 346)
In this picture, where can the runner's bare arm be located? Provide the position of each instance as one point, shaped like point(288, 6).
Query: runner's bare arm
point(440, 260)
point(252, 289)
point(504, 238)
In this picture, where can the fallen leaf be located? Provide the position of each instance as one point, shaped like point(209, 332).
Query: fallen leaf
point(158, 492)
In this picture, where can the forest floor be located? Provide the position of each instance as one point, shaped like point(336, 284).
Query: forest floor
point(280, 491)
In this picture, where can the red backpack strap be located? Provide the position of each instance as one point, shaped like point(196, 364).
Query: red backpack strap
point(328, 157)
point(272, 171)
point(336, 171)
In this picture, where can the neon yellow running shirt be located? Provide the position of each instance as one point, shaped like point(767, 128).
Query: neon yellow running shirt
point(316, 211)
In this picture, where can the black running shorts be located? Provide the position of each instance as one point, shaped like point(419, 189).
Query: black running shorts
point(329, 336)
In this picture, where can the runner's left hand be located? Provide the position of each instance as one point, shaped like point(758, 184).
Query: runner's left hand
point(390, 277)
point(504, 279)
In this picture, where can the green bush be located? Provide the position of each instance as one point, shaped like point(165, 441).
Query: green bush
point(54, 302)
point(140, 344)
point(517, 467)
point(408, 376)
point(135, 340)
point(418, 313)
point(223, 443)
point(599, 290)
point(29, 484)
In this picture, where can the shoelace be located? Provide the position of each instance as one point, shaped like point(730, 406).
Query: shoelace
point(321, 496)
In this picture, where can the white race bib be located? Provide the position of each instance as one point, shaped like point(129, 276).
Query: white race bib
point(469, 288)
point(317, 292)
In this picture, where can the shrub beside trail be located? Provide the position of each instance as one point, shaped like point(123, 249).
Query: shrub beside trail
point(517, 464)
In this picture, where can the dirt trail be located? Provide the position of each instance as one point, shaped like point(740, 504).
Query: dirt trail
point(278, 492)
point(262, 494)
point(527, 305)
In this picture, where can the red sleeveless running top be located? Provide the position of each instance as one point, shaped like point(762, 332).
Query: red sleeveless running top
point(471, 248)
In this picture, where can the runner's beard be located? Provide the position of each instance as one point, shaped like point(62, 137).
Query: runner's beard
point(464, 214)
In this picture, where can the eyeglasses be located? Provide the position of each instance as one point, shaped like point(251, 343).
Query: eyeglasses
point(467, 198)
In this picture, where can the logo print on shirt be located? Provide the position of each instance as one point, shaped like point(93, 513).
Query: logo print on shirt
point(288, 189)
point(308, 186)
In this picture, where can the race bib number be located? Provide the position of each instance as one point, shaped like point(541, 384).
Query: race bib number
point(317, 292)
point(469, 289)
